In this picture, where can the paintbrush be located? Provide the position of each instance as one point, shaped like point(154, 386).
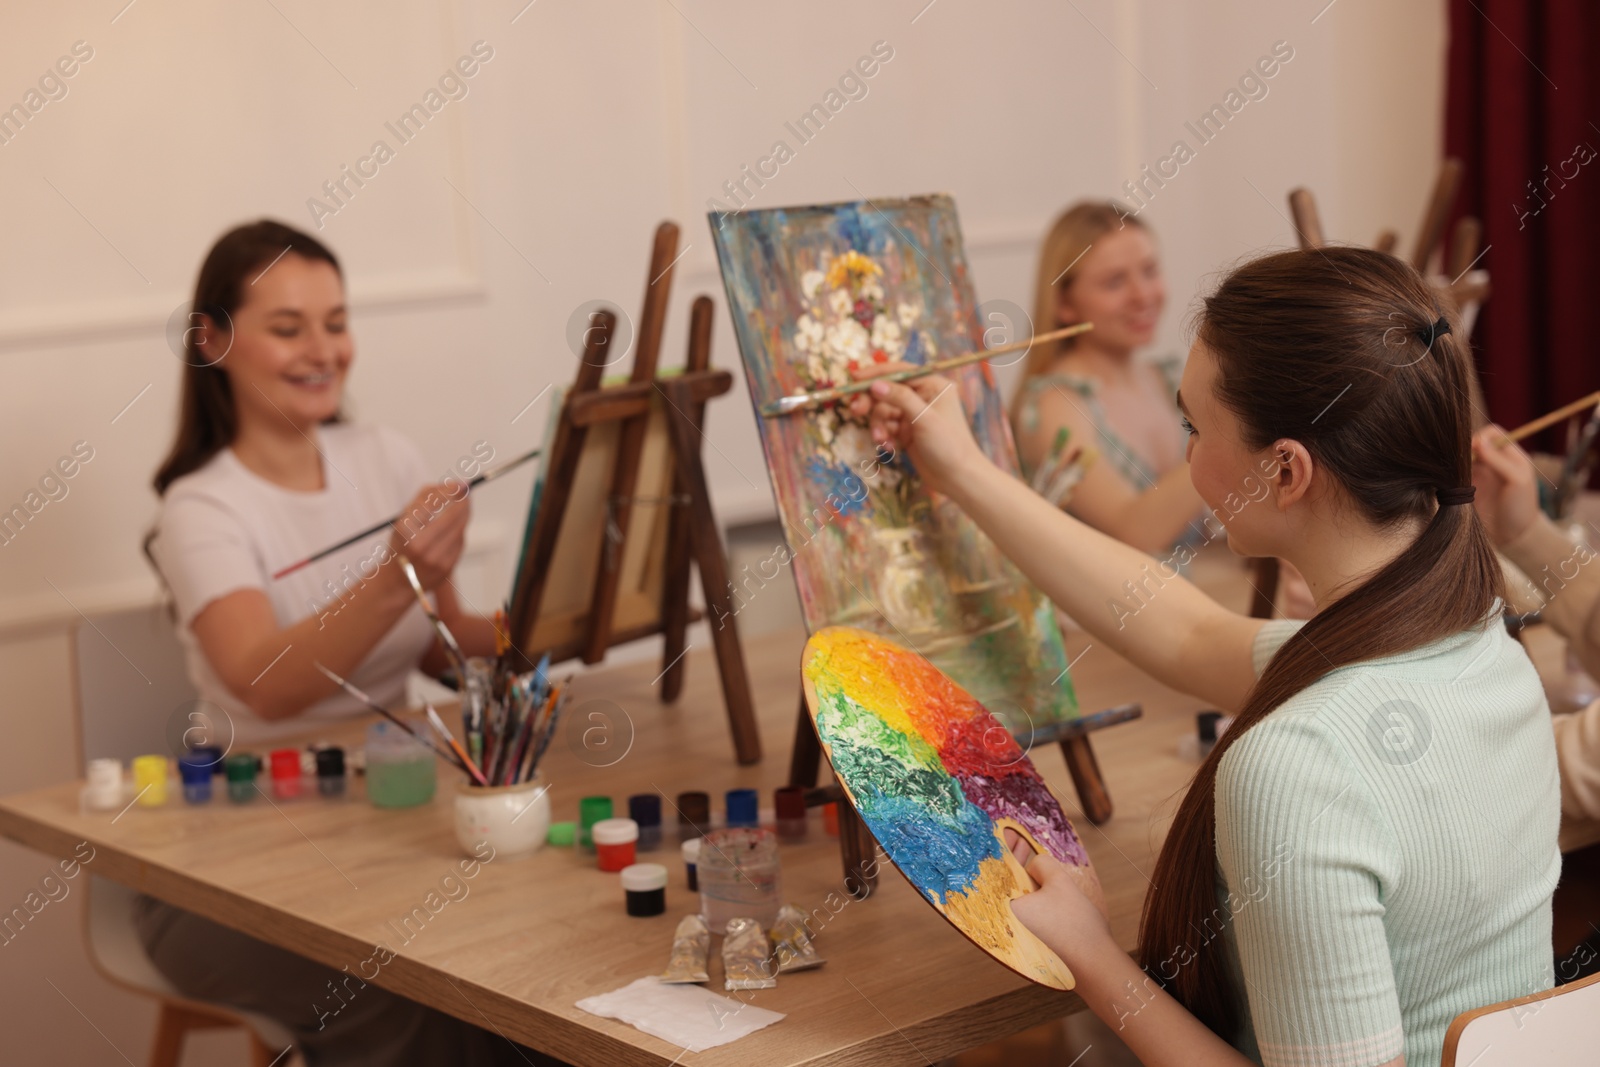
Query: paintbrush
point(1531, 428)
point(486, 476)
point(455, 746)
point(387, 714)
point(806, 401)
point(439, 627)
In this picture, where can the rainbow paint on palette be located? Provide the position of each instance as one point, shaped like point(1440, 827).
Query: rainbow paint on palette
point(937, 779)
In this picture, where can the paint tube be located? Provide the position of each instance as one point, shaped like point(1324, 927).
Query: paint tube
point(744, 957)
point(691, 946)
point(791, 945)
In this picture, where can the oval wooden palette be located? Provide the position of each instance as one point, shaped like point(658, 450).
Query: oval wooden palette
point(937, 779)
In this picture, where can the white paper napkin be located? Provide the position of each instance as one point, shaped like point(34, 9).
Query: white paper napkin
point(689, 1016)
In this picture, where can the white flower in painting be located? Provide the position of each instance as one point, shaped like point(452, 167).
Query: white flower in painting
point(826, 421)
point(872, 291)
point(808, 333)
point(810, 282)
point(886, 335)
point(839, 301)
point(848, 340)
point(908, 314)
point(853, 444)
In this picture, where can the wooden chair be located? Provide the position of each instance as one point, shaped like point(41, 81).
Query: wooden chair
point(1557, 1028)
point(128, 681)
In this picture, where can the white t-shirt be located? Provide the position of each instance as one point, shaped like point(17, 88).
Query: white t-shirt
point(224, 528)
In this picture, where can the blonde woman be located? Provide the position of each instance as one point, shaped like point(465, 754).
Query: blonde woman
point(1100, 265)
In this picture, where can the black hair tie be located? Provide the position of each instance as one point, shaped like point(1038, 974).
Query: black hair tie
point(1460, 494)
point(1430, 334)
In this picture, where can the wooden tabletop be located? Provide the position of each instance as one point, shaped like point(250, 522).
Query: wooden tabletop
point(533, 936)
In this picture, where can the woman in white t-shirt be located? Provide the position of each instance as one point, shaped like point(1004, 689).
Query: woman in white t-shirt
point(263, 473)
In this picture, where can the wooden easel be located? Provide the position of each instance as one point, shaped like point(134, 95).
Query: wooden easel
point(1464, 287)
point(622, 417)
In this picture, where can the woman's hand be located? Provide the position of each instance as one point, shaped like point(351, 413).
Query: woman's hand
point(432, 532)
point(1059, 913)
point(924, 417)
point(1508, 496)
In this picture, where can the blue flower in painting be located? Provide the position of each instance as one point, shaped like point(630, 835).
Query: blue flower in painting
point(839, 484)
point(914, 353)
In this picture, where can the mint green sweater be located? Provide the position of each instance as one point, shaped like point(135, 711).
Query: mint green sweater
point(1386, 842)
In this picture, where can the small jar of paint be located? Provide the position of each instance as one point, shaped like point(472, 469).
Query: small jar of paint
point(739, 877)
point(330, 771)
point(104, 792)
point(212, 754)
point(644, 885)
point(286, 773)
point(615, 842)
point(694, 815)
point(744, 807)
point(562, 834)
point(241, 768)
point(590, 811)
point(400, 771)
point(194, 769)
point(150, 780)
point(691, 857)
point(790, 803)
point(645, 809)
point(830, 819)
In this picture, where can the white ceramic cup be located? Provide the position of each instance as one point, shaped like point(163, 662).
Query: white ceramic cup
point(513, 819)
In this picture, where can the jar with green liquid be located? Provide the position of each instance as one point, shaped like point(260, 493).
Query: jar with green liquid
point(400, 770)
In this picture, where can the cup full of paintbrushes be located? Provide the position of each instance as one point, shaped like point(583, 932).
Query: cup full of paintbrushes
point(509, 719)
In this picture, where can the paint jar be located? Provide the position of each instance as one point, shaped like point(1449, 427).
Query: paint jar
point(744, 807)
point(691, 856)
point(194, 769)
point(694, 815)
point(615, 842)
point(739, 877)
point(150, 780)
point(513, 819)
point(790, 804)
point(830, 819)
point(241, 770)
point(286, 773)
point(645, 809)
point(590, 811)
point(104, 792)
point(330, 771)
point(400, 771)
point(562, 834)
point(644, 885)
point(212, 754)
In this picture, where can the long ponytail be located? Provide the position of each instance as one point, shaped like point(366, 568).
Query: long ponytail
point(1346, 351)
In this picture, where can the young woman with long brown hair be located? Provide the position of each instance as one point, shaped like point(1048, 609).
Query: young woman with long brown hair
point(1370, 849)
point(264, 472)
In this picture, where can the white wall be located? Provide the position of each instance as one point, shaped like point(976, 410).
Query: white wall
point(469, 250)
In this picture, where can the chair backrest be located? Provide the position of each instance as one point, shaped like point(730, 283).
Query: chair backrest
point(1557, 1028)
point(131, 686)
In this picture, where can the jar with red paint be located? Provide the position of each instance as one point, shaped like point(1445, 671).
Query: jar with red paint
point(615, 843)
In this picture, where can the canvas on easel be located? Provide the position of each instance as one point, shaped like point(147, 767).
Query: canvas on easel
point(621, 509)
point(816, 293)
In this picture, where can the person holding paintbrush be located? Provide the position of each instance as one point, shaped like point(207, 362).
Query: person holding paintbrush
point(264, 472)
point(1336, 885)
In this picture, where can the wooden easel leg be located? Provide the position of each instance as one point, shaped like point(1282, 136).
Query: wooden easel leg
point(675, 589)
point(1086, 777)
point(859, 850)
point(713, 575)
point(805, 759)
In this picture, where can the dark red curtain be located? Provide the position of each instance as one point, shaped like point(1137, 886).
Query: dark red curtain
point(1523, 115)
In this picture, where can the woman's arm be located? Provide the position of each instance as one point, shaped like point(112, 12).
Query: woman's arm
point(1136, 605)
point(272, 669)
point(1147, 517)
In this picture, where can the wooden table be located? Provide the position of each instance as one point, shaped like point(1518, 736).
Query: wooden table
point(534, 936)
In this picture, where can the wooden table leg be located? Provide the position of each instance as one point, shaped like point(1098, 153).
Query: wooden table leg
point(805, 759)
point(859, 849)
point(1086, 777)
